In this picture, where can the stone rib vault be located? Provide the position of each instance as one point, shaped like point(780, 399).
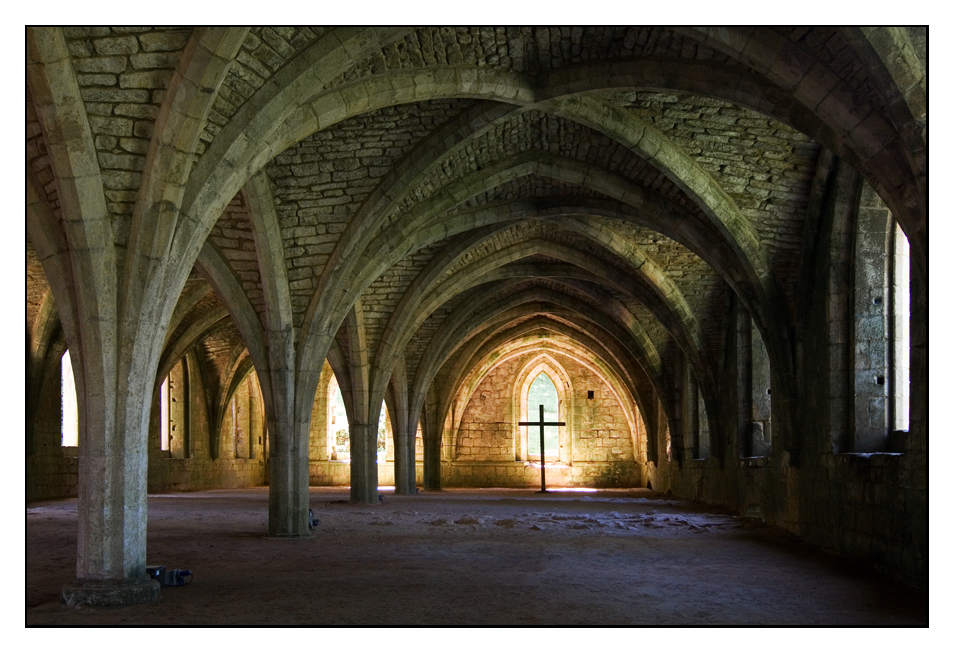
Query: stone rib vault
point(714, 241)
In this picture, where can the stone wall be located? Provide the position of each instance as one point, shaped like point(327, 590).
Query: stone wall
point(322, 471)
point(869, 505)
point(527, 474)
point(486, 450)
point(325, 472)
point(242, 445)
point(486, 429)
point(601, 434)
point(52, 471)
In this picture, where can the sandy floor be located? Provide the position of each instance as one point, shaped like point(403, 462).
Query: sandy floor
point(471, 557)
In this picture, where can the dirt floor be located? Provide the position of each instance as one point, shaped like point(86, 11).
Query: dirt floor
point(471, 557)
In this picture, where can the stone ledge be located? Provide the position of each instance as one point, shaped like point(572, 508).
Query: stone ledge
point(104, 593)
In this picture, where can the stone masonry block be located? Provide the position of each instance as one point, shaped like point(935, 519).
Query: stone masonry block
point(164, 41)
point(147, 79)
point(111, 127)
point(117, 45)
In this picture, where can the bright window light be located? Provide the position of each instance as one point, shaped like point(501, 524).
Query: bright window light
point(70, 428)
point(164, 415)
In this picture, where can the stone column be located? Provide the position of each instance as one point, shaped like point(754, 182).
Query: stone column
point(111, 538)
point(288, 446)
point(364, 463)
point(691, 402)
point(404, 432)
point(760, 399)
point(743, 378)
point(404, 469)
point(432, 456)
point(288, 479)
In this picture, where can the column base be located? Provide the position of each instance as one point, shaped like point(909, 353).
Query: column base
point(109, 593)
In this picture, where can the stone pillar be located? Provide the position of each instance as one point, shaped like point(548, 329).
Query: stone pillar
point(760, 441)
point(691, 399)
point(404, 469)
point(288, 479)
point(743, 360)
point(364, 463)
point(432, 456)
point(703, 417)
point(111, 514)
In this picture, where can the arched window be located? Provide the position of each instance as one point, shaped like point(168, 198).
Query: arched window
point(879, 363)
point(173, 412)
point(70, 426)
point(338, 433)
point(384, 433)
point(543, 392)
point(899, 330)
point(164, 415)
point(543, 381)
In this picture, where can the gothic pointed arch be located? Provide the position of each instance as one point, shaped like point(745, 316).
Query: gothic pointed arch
point(524, 412)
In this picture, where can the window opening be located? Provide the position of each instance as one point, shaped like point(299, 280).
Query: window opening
point(383, 424)
point(338, 430)
point(173, 412)
point(69, 430)
point(901, 330)
point(164, 415)
point(542, 391)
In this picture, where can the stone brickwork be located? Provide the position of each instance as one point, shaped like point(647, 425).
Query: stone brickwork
point(765, 166)
point(241, 462)
point(323, 470)
point(123, 73)
point(325, 473)
point(532, 50)
point(232, 234)
point(319, 183)
point(527, 474)
point(859, 503)
point(264, 51)
point(218, 353)
point(51, 469)
point(834, 50)
point(319, 448)
point(486, 430)
point(671, 212)
point(387, 290)
point(557, 137)
point(600, 436)
point(38, 156)
point(37, 287)
point(870, 354)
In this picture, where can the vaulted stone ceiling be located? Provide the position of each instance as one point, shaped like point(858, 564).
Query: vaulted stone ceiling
point(406, 197)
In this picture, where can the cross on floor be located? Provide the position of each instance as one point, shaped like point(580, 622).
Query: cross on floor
point(541, 424)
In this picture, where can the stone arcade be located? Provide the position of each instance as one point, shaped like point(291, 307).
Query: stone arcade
point(358, 256)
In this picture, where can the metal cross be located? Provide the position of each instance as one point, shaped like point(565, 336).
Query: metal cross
point(541, 424)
